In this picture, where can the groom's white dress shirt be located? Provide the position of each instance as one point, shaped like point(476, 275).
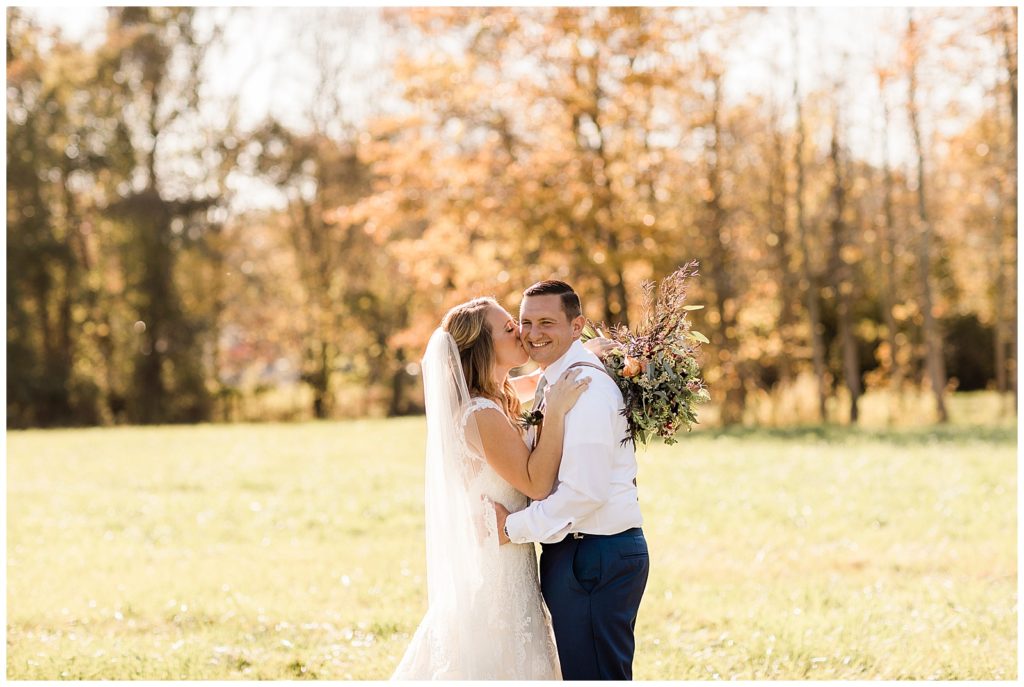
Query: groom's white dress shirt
point(594, 492)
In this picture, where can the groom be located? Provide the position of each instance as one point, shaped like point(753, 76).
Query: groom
point(594, 563)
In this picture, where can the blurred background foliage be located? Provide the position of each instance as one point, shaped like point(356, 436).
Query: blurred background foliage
point(856, 230)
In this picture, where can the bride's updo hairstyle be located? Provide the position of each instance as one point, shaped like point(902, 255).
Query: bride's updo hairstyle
point(467, 324)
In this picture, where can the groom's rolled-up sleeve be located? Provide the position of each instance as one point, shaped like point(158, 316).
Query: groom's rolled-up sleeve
point(584, 476)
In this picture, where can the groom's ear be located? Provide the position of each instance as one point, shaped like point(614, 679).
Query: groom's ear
point(577, 326)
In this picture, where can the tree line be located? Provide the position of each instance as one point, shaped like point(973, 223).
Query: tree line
point(598, 145)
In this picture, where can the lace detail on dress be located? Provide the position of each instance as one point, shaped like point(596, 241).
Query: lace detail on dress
point(478, 403)
point(475, 404)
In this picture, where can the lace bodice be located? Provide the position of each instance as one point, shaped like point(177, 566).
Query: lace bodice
point(489, 482)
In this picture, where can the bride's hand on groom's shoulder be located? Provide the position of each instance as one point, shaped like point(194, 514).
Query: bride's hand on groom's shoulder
point(561, 396)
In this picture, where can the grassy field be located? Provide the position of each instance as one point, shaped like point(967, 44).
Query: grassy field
point(296, 551)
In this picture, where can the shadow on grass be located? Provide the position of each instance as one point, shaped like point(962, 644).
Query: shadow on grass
point(838, 434)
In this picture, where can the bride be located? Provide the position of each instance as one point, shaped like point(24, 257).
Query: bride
point(486, 618)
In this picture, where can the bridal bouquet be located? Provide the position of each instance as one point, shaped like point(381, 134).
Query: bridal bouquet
point(656, 365)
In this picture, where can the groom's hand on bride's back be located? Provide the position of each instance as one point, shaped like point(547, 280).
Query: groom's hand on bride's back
point(500, 513)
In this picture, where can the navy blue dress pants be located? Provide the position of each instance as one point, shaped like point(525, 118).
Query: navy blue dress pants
point(593, 586)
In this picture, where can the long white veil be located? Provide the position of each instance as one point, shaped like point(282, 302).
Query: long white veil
point(461, 533)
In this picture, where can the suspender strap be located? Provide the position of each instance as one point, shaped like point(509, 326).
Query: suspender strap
point(586, 364)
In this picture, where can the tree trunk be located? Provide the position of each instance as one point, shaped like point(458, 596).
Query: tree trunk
point(776, 202)
point(320, 381)
point(54, 403)
point(808, 278)
point(1009, 254)
point(932, 335)
point(399, 377)
point(614, 298)
point(1001, 338)
point(887, 268)
point(151, 393)
point(842, 283)
point(168, 386)
point(721, 257)
point(600, 218)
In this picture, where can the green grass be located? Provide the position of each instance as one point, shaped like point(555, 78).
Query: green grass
point(296, 551)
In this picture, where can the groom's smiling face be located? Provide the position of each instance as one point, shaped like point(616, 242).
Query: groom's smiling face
point(546, 329)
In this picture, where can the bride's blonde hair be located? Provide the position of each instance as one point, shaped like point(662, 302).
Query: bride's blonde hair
point(467, 324)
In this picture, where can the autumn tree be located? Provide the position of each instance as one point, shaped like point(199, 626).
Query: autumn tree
point(932, 336)
point(808, 278)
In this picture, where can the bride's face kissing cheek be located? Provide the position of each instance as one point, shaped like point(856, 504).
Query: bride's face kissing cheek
point(546, 330)
point(508, 349)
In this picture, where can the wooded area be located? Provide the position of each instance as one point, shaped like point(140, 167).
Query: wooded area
point(597, 145)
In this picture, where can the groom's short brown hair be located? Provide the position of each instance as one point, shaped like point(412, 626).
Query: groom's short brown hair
point(553, 287)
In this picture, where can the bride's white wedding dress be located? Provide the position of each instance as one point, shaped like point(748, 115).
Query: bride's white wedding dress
point(486, 618)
